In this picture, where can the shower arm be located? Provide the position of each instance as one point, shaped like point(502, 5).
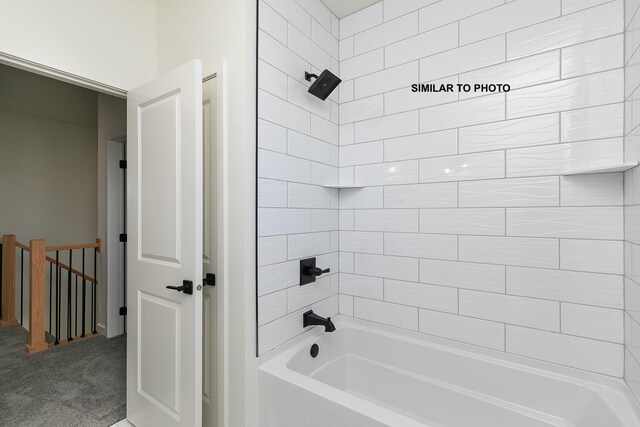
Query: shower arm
point(307, 76)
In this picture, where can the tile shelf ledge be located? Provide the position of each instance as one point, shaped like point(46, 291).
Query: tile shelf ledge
point(612, 168)
point(338, 186)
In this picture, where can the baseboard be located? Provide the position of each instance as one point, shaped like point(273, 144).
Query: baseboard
point(101, 330)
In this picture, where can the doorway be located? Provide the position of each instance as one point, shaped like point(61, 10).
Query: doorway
point(55, 139)
point(111, 226)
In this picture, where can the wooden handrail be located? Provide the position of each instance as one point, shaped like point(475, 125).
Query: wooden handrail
point(22, 246)
point(66, 248)
point(73, 270)
point(97, 245)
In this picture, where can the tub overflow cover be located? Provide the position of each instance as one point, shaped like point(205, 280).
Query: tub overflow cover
point(314, 350)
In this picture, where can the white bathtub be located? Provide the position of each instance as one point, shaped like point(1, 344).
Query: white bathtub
point(371, 375)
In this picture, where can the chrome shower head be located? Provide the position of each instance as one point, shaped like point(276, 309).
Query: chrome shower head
point(325, 83)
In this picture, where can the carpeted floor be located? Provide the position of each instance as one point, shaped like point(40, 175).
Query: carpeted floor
point(81, 384)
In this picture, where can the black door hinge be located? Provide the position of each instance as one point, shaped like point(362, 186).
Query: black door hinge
point(123, 311)
point(123, 237)
point(123, 164)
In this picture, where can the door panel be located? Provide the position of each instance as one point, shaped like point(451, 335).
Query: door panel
point(160, 180)
point(208, 143)
point(164, 217)
point(159, 355)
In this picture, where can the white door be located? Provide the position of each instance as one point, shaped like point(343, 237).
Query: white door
point(164, 219)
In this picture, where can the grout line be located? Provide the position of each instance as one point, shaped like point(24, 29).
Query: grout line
point(633, 16)
point(453, 207)
point(560, 317)
point(504, 328)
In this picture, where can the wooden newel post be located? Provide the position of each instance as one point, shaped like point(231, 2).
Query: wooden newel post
point(8, 281)
point(37, 295)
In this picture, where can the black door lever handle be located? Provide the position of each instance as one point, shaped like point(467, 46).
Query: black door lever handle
point(209, 280)
point(187, 287)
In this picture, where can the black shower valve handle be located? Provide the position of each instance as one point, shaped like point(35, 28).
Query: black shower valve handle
point(309, 272)
point(316, 271)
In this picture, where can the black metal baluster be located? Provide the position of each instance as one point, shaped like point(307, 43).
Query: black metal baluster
point(84, 295)
point(0, 280)
point(69, 336)
point(76, 309)
point(50, 294)
point(57, 298)
point(21, 283)
point(94, 291)
point(59, 308)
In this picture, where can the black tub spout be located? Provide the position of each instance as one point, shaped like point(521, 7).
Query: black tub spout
point(310, 319)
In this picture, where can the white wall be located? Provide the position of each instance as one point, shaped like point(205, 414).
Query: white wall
point(49, 178)
point(465, 228)
point(109, 41)
point(632, 198)
point(298, 153)
point(185, 31)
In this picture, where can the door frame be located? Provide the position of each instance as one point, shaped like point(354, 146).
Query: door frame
point(54, 73)
point(115, 264)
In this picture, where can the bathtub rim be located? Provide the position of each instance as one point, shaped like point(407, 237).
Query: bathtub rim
point(614, 391)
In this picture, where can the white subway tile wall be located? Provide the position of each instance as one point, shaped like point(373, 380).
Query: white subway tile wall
point(465, 228)
point(631, 197)
point(298, 144)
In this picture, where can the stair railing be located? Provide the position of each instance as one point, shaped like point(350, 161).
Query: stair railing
point(76, 318)
point(60, 290)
